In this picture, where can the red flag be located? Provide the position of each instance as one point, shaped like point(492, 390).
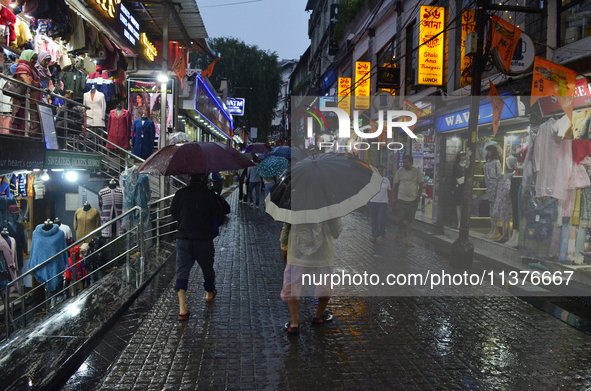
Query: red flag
point(497, 106)
point(209, 69)
point(180, 66)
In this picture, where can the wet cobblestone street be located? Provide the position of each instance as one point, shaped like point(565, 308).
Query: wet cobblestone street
point(374, 343)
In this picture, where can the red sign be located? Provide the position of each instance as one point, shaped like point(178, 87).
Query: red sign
point(550, 105)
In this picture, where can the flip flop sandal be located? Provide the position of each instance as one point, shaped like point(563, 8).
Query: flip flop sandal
point(291, 330)
point(327, 317)
point(184, 317)
point(409, 244)
point(215, 293)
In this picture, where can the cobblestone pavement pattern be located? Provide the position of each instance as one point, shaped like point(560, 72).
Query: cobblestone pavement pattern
point(399, 343)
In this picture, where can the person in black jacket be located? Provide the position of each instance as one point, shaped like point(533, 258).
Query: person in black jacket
point(199, 213)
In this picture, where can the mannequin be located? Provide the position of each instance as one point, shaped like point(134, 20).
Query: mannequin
point(47, 243)
point(143, 135)
point(5, 234)
point(86, 220)
point(119, 128)
point(111, 206)
point(503, 205)
point(492, 173)
point(48, 225)
point(98, 106)
point(67, 231)
point(8, 249)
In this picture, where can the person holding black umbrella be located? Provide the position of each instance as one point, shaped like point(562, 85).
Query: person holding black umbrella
point(199, 213)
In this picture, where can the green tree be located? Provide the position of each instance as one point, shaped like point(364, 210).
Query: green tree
point(252, 74)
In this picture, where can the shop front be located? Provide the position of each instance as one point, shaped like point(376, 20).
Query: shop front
point(45, 185)
point(555, 204)
point(498, 165)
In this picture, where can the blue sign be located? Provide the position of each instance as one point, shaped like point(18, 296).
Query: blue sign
point(460, 119)
point(235, 106)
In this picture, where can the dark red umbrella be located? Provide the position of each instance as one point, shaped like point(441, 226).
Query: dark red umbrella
point(194, 158)
point(258, 148)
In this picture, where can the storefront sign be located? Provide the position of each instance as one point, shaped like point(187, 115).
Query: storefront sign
point(430, 70)
point(109, 5)
point(235, 106)
point(72, 160)
point(362, 84)
point(151, 51)
point(209, 106)
point(468, 26)
point(523, 57)
point(388, 76)
point(460, 119)
point(131, 27)
point(20, 153)
point(550, 105)
point(344, 92)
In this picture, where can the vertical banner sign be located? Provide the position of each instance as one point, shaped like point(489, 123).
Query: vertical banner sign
point(549, 79)
point(362, 84)
point(344, 92)
point(468, 26)
point(505, 37)
point(431, 49)
point(497, 103)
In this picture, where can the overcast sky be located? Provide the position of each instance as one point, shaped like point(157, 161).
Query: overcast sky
point(277, 25)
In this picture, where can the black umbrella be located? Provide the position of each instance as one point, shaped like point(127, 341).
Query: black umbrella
point(321, 188)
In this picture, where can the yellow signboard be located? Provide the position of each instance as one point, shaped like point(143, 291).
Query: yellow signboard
point(344, 98)
point(431, 46)
point(150, 48)
point(362, 84)
point(468, 26)
point(109, 6)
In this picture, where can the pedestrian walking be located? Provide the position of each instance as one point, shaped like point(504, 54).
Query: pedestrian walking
point(254, 183)
point(408, 186)
point(378, 207)
point(199, 213)
point(308, 250)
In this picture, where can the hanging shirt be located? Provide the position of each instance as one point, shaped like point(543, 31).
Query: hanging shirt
point(552, 161)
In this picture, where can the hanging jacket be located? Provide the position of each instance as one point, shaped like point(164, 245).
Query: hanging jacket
point(119, 129)
point(86, 221)
point(98, 106)
point(45, 245)
point(111, 206)
point(10, 256)
point(143, 138)
point(73, 259)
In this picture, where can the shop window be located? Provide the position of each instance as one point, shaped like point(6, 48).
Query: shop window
point(388, 70)
point(575, 20)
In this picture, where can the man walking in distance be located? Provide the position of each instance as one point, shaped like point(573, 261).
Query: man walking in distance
point(408, 185)
point(199, 213)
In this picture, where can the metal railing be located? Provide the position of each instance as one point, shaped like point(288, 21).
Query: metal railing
point(120, 251)
point(24, 113)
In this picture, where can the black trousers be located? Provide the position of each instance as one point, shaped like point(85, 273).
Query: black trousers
point(189, 251)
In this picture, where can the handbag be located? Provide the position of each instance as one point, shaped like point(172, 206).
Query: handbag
point(14, 90)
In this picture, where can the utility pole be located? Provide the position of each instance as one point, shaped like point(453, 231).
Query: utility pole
point(462, 250)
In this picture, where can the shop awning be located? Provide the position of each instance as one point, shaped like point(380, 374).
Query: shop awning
point(185, 22)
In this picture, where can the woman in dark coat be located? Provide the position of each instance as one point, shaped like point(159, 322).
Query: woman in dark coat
point(457, 191)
